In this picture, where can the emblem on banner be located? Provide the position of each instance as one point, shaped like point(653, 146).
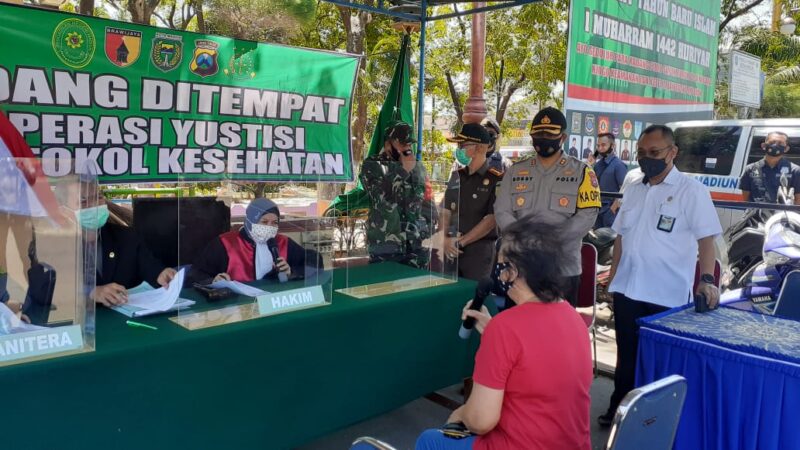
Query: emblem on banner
point(123, 46)
point(589, 124)
point(577, 119)
point(242, 65)
point(615, 128)
point(74, 43)
point(602, 124)
point(167, 51)
point(204, 59)
point(627, 129)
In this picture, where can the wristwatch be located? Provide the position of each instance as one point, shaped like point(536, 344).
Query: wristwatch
point(707, 278)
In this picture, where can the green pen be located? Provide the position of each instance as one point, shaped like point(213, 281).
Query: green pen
point(140, 325)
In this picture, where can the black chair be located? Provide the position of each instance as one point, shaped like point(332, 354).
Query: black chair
point(177, 230)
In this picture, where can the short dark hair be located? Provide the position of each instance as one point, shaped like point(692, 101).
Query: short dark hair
point(666, 132)
point(534, 249)
point(608, 135)
point(779, 133)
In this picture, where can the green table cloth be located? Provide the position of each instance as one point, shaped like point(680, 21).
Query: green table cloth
point(270, 383)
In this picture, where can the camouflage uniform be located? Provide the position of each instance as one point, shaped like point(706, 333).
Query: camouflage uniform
point(395, 226)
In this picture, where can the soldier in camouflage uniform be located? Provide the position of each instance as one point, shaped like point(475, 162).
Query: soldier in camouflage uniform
point(395, 183)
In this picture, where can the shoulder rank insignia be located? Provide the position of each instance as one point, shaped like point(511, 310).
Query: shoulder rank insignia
point(562, 162)
point(495, 172)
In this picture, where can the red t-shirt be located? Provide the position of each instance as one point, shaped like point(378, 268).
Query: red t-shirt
point(539, 354)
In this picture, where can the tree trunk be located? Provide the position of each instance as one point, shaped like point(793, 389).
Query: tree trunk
point(456, 100)
point(86, 7)
point(506, 98)
point(201, 20)
point(355, 25)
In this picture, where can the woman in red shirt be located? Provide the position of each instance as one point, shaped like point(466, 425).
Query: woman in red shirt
point(533, 370)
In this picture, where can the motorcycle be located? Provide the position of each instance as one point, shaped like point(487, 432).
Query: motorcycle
point(781, 255)
point(746, 239)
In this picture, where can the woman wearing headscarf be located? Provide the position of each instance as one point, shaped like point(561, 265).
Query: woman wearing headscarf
point(245, 255)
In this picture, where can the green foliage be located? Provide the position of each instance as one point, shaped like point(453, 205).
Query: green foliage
point(259, 20)
point(780, 101)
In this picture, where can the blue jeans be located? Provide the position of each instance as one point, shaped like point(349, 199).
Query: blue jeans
point(433, 439)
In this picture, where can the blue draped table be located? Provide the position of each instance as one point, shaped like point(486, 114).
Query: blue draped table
point(743, 373)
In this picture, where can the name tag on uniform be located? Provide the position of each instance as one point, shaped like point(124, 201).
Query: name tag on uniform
point(665, 223)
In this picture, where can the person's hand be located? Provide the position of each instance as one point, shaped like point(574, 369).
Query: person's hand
point(457, 415)
point(222, 277)
point(482, 317)
point(614, 206)
point(166, 276)
point(283, 266)
point(111, 294)
point(450, 249)
point(16, 308)
point(408, 161)
point(711, 292)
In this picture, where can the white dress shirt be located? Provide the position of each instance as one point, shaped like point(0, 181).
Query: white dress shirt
point(660, 226)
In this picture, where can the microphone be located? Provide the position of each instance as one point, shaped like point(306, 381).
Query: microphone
point(482, 291)
point(272, 245)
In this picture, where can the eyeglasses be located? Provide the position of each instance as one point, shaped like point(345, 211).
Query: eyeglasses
point(653, 152)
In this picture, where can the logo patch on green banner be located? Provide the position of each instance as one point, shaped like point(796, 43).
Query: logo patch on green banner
point(204, 60)
point(167, 51)
point(123, 46)
point(74, 43)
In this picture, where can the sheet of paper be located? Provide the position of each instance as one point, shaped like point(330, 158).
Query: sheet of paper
point(239, 288)
point(159, 299)
point(11, 324)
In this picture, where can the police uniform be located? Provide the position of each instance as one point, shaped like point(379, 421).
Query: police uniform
point(566, 196)
point(763, 181)
point(470, 198)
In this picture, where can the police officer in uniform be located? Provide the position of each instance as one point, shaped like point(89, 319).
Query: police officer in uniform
point(468, 213)
point(552, 188)
point(395, 183)
point(761, 179)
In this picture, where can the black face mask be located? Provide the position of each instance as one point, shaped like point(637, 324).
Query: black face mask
point(610, 151)
point(652, 167)
point(546, 147)
point(501, 287)
point(775, 149)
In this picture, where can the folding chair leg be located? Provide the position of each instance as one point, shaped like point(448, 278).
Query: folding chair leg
point(594, 344)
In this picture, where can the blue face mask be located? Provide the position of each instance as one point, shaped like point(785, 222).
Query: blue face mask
point(93, 218)
point(462, 157)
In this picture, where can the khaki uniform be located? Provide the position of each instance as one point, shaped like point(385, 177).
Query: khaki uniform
point(470, 198)
point(566, 196)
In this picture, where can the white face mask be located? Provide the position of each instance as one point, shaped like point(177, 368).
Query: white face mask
point(262, 233)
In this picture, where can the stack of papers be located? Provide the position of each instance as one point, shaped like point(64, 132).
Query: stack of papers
point(10, 323)
point(239, 288)
point(144, 300)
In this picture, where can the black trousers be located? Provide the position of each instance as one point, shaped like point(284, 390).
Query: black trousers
point(626, 312)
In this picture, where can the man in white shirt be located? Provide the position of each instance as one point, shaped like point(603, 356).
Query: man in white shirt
point(665, 221)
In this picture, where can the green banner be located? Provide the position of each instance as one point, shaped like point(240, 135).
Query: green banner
point(652, 58)
point(148, 104)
